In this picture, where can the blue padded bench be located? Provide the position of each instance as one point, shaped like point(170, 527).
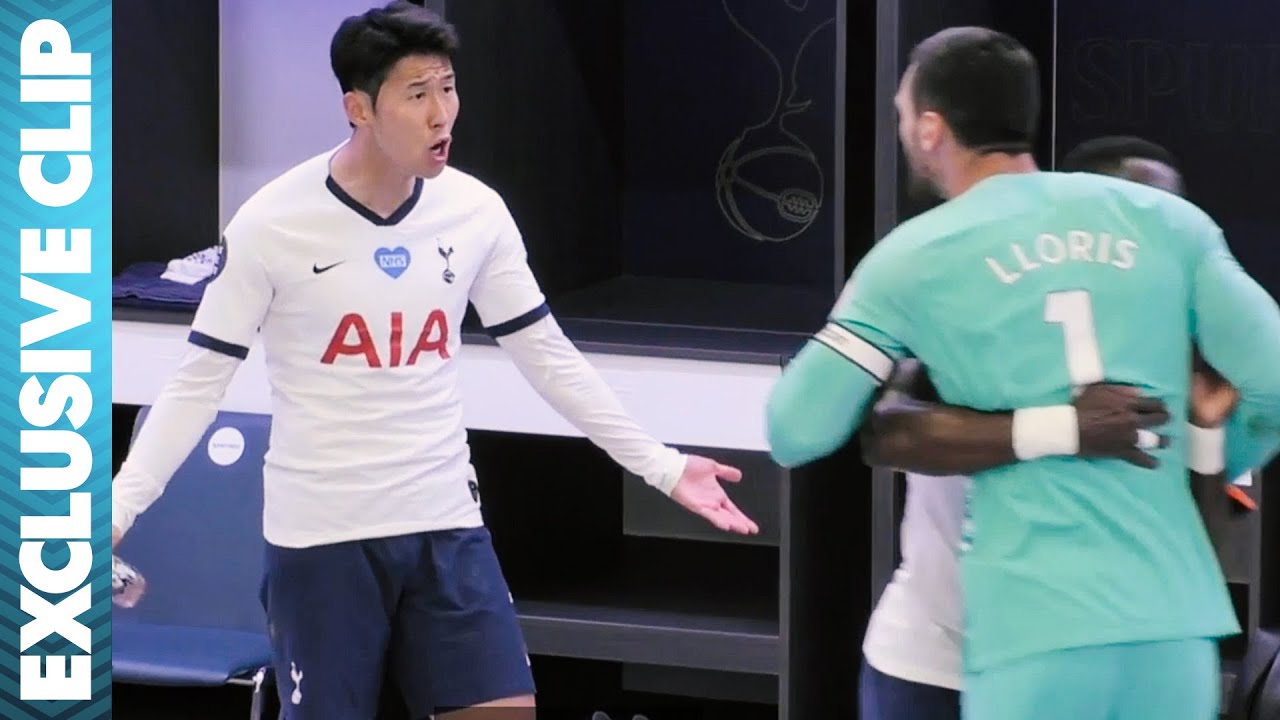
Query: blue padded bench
point(200, 548)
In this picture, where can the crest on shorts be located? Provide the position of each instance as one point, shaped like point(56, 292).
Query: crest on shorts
point(296, 675)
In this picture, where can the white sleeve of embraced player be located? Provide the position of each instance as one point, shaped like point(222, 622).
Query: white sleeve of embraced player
point(230, 313)
point(514, 311)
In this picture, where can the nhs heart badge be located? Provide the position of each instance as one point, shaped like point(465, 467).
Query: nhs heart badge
point(392, 262)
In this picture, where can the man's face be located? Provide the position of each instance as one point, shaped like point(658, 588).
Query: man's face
point(919, 133)
point(413, 117)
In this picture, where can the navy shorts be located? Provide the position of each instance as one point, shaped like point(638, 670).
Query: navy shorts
point(431, 610)
point(884, 697)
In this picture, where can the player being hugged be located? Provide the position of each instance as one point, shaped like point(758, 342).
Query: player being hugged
point(1090, 588)
point(357, 266)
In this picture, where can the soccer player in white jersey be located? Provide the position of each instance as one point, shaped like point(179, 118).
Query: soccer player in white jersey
point(357, 266)
point(912, 648)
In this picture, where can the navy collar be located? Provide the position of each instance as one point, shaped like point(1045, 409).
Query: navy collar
point(400, 213)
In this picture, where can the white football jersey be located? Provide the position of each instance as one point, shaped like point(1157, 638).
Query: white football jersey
point(916, 630)
point(360, 321)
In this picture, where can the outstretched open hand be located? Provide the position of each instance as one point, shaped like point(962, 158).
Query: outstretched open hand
point(700, 492)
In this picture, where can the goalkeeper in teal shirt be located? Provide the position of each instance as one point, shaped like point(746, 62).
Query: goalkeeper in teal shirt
point(1092, 591)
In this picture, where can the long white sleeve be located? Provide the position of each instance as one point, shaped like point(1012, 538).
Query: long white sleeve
point(564, 378)
point(179, 418)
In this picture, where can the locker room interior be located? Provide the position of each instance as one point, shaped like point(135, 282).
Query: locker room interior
point(615, 130)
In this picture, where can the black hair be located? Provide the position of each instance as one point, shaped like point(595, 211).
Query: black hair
point(985, 84)
point(1106, 155)
point(367, 46)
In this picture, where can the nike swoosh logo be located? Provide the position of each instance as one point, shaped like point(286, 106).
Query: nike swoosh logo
point(317, 269)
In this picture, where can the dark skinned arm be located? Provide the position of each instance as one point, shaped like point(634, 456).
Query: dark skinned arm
point(911, 430)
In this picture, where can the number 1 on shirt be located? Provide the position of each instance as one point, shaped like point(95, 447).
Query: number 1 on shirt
point(1073, 310)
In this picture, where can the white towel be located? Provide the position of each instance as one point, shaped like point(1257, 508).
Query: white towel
point(195, 267)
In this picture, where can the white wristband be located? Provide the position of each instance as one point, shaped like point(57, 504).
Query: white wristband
point(1045, 431)
point(1208, 450)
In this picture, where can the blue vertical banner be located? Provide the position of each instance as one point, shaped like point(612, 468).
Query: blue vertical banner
point(55, 348)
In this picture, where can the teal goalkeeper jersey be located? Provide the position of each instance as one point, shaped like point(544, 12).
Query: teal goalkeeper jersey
point(1013, 294)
